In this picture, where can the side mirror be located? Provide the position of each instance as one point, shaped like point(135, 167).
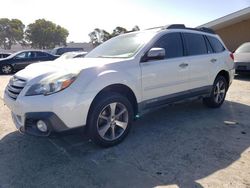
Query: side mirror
point(156, 54)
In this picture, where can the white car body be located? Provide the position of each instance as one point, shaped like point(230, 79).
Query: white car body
point(149, 81)
point(242, 58)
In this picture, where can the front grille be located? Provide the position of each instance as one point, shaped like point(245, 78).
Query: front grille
point(15, 87)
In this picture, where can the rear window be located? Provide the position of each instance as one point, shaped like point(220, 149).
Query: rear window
point(41, 54)
point(195, 44)
point(216, 44)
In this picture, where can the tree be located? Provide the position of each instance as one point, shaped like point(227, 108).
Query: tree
point(11, 32)
point(45, 34)
point(119, 30)
point(99, 36)
point(135, 28)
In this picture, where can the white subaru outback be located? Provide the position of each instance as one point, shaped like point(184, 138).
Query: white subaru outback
point(119, 80)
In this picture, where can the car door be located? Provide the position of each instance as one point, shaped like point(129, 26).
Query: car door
point(21, 60)
point(42, 56)
point(163, 80)
point(199, 61)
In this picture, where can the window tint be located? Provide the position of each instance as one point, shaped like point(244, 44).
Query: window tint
point(30, 55)
point(21, 55)
point(195, 44)
point(41, 54)
point(216, 44)
point(172, 43)
point(209, 47)
point(60, 51)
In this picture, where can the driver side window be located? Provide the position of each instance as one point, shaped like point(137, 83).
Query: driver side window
point(172, 43)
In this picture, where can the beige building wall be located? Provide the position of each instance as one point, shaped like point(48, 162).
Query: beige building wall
point(236, 34)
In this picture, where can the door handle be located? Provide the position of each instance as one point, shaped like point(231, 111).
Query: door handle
point(213, 60)
point(183, 65)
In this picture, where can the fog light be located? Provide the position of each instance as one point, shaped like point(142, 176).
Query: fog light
point(41, 125)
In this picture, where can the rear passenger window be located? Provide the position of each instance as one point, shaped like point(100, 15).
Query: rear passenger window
point(172, 43)
point(195, 44)
point(41, 54)
point(209, 47)
point(216, 44)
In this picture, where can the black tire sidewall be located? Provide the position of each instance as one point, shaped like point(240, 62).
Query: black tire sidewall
point(97, 107)
point(211, 100)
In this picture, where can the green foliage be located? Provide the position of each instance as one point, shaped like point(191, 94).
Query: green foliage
point(99, 36)
point(45, 34)
point(135, 28)
point(11, 32)
point(119, 30)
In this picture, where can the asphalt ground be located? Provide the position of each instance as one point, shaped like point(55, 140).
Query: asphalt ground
point(182, 145)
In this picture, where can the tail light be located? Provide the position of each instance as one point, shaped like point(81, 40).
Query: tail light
point(232, 56)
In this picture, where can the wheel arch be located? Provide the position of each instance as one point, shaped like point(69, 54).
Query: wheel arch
point(225, 74)
point(123, 90)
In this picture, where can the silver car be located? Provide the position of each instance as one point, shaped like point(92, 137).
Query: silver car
point(242, 58)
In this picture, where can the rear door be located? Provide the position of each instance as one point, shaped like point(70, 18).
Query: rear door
point(42, 56)
point(163, 79)
point(218, 57)
point(199, 61)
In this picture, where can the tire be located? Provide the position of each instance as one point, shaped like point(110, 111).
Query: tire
point(216, 99)
point(6, 69)
point(109, 119)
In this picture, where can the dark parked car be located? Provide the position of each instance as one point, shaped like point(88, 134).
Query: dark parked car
point(62, 50)
point(4, 55)
point(20, 60)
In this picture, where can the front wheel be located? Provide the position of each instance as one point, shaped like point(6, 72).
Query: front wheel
point(218, 93)
point(6, 69)
point(109, 119)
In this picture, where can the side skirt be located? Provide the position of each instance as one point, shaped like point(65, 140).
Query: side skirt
point(155, 103)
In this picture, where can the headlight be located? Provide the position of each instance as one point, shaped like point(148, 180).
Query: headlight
point(51, 85)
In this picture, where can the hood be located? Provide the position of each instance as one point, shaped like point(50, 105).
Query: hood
point(64, 66)
point(241, 57)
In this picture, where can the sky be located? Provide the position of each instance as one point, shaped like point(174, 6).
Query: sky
point(80, 17)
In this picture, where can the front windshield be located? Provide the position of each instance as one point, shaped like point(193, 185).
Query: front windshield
point(123, 46)
point(244, 48)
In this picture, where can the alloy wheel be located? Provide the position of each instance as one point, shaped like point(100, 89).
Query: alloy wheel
point(112, 121)
point(219, 91)
point(6, 69)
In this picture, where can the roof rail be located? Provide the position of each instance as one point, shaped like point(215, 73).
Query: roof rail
point(207, 30)
point(182, 26)
point(175, 26)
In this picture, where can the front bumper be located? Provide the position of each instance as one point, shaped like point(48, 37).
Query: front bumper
point(241, 67)
point(61, 111)
point(53, 122)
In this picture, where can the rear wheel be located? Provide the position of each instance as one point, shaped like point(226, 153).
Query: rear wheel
point(110, 119)
point(6, 69)
point(218, 93)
